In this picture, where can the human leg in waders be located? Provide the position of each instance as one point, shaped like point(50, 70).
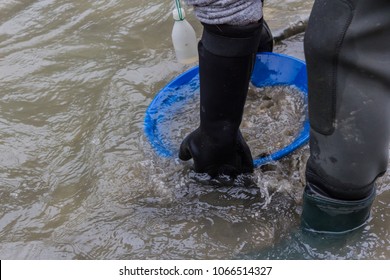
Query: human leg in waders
point(347, 49)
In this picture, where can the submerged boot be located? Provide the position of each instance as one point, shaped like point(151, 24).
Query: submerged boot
point(347, 48)
point(226, 58)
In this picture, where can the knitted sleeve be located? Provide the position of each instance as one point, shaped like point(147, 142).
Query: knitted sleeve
point(233, 12)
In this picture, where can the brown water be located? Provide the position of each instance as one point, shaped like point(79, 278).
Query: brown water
point(78, 179)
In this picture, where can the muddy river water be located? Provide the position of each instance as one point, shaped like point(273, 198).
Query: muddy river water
point(78, 179)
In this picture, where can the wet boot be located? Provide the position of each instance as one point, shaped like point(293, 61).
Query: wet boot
point(226, 58)
point(347, 48)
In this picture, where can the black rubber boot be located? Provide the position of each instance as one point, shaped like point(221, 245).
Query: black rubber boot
point(226, 57)
point(347, 49)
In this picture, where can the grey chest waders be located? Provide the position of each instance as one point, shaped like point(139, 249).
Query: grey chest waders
point(226, 57)
point(347, 49)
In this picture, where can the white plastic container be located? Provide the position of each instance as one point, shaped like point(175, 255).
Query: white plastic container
point(184, 39)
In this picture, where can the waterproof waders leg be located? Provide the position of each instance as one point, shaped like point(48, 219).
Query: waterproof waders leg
point(226, 57)
point(347, 49)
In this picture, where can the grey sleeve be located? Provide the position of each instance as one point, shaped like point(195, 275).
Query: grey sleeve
point(233, 12)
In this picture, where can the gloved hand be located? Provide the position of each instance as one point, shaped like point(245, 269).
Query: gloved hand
point(217, 155)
